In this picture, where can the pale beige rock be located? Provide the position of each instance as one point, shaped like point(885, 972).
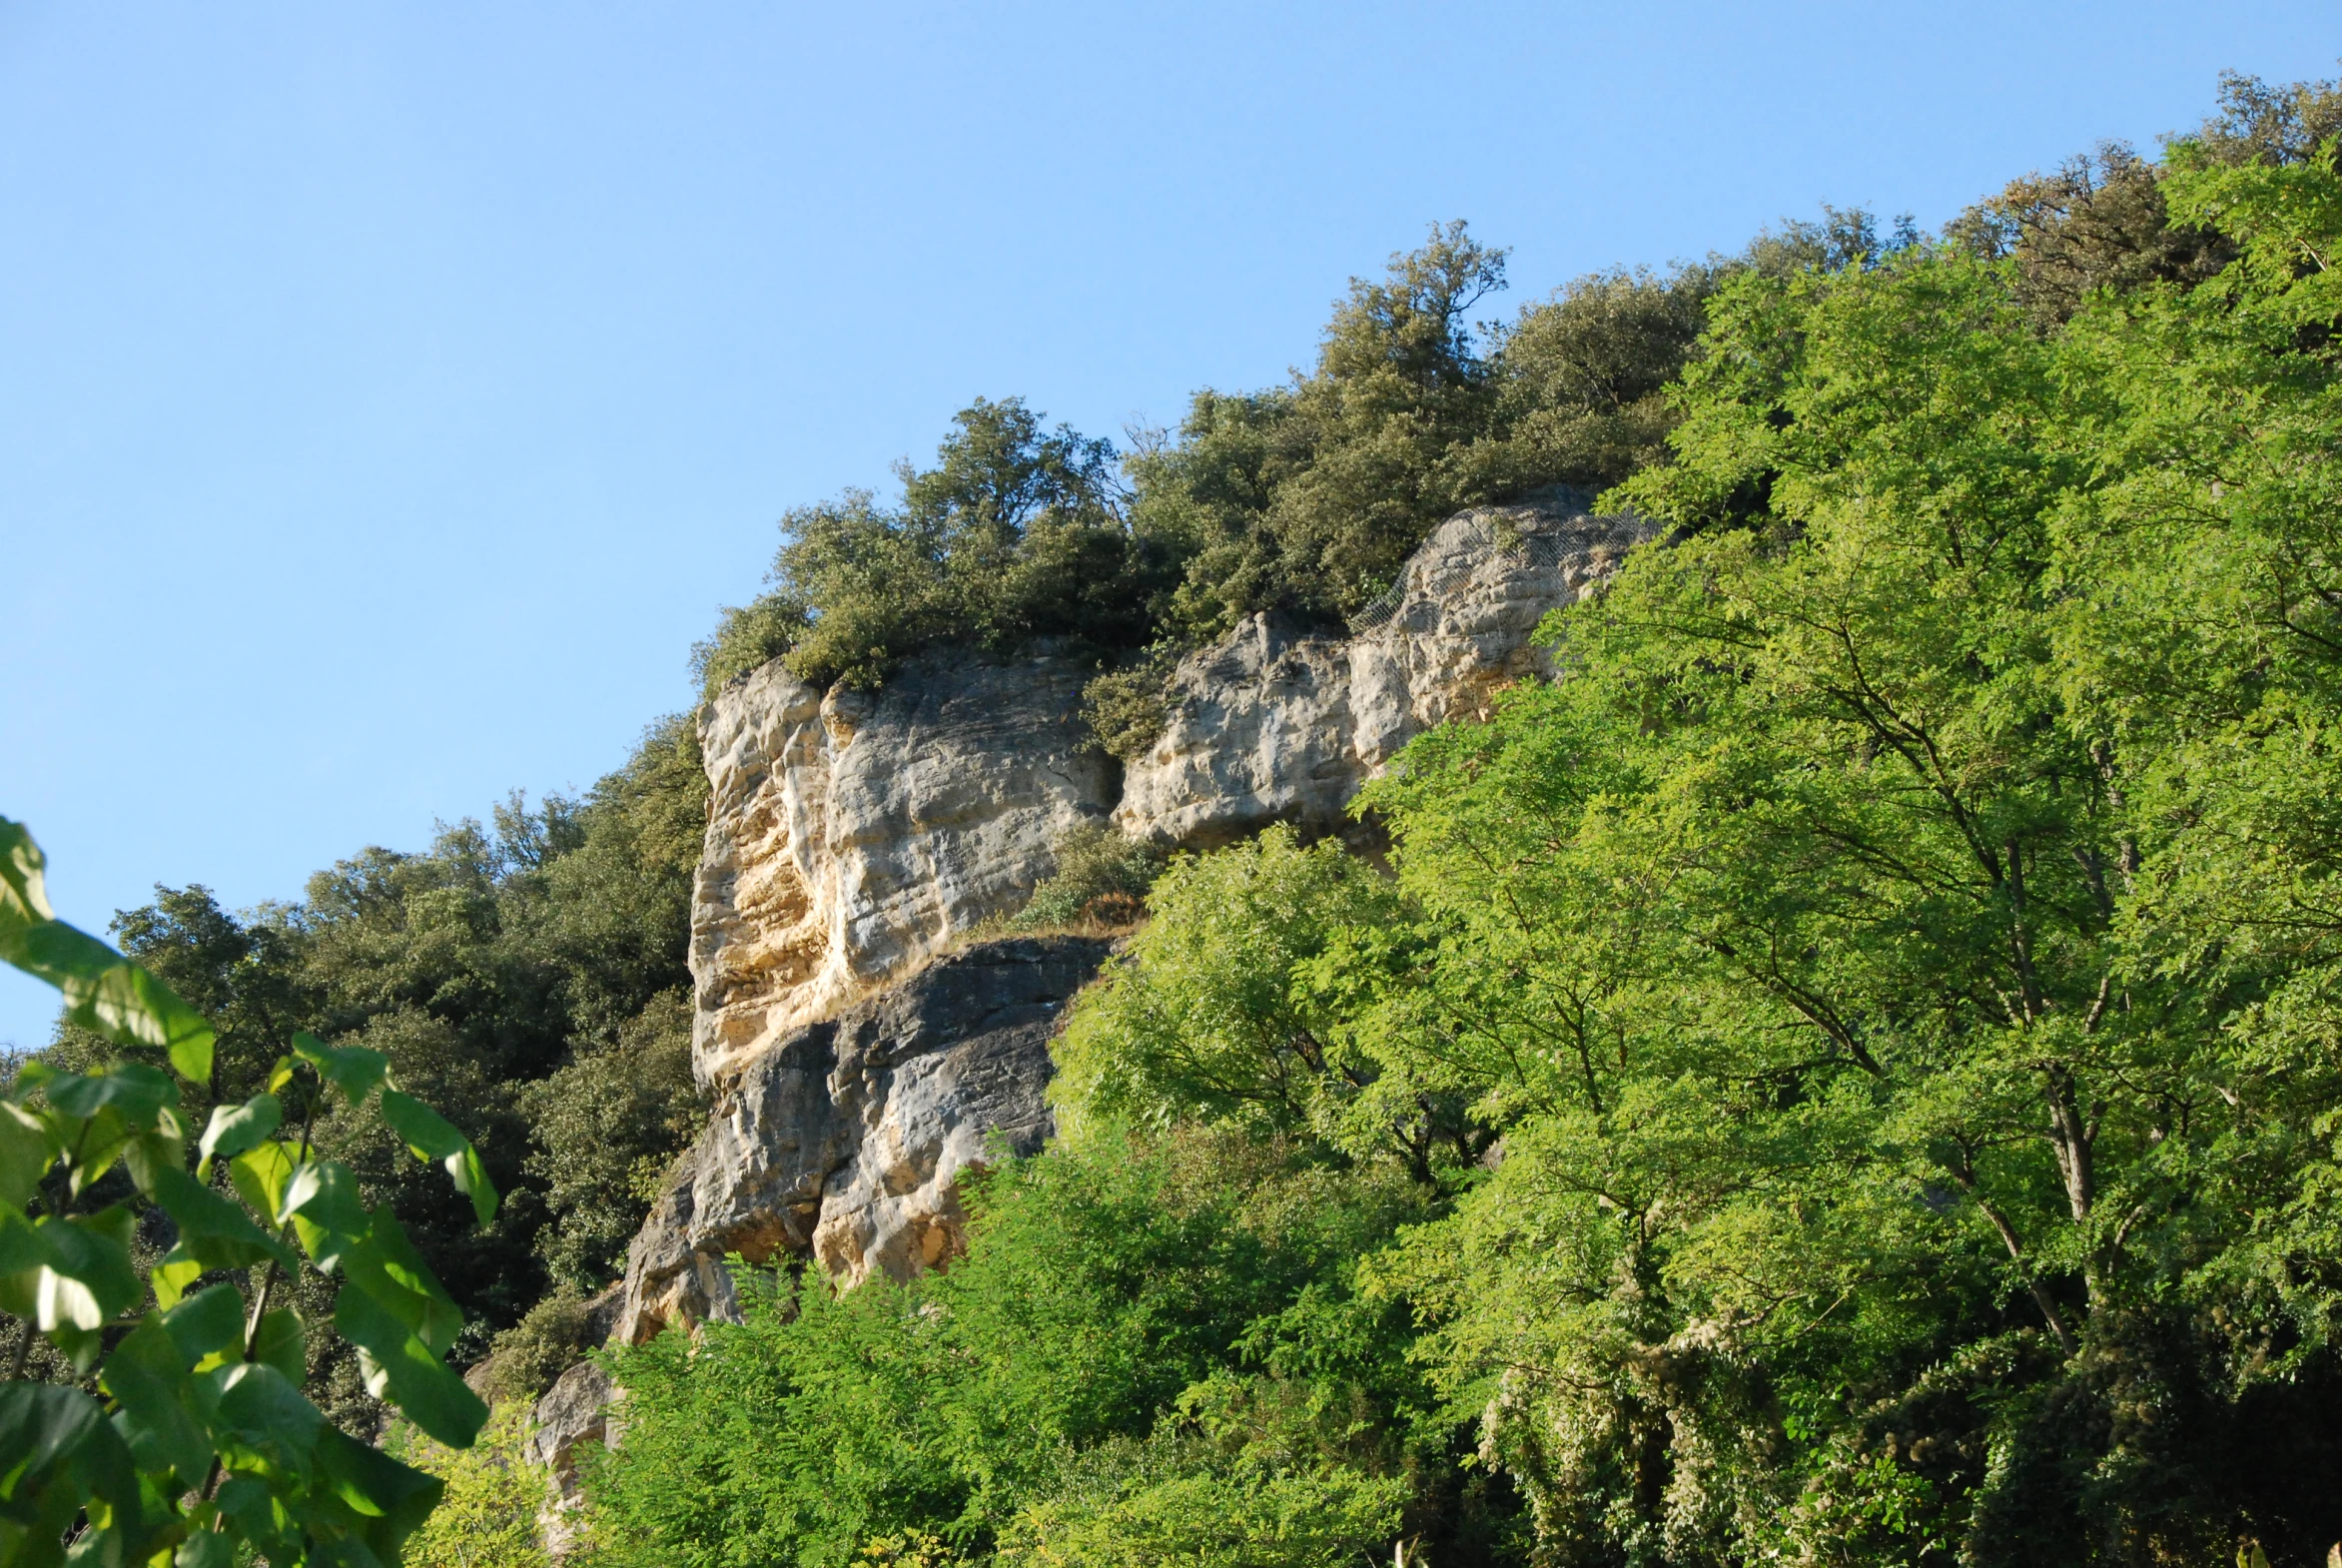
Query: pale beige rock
point(1272, 725)
point(577, 1409)
point(851, 837)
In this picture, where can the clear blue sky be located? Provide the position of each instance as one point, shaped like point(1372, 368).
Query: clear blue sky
point(389, 393)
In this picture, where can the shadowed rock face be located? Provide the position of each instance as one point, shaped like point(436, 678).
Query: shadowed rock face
point(844, 1140)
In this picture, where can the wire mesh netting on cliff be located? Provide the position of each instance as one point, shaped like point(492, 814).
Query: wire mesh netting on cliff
point(1481, 535)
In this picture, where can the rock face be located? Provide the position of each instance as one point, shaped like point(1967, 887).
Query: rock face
point(1272, 725)
point(852, 836)
point(861, 1065)
point(845, 1139)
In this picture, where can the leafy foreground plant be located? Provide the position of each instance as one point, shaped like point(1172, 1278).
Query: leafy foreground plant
point(200, 1443)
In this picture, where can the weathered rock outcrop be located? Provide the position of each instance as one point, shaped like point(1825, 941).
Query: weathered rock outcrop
point(1272, 725)
point(853, 836)
point(861, 1063)
point(843, 1141)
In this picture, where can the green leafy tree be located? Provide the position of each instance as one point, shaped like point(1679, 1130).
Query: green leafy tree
point(1017, 532)
point(195, 1442)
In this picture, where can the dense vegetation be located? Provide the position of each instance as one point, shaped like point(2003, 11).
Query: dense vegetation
point(528, 980)
point(1846, 1074)
point(165, 1422)
point(1849, 1073)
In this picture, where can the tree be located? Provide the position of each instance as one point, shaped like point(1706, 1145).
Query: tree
point(204, 1446)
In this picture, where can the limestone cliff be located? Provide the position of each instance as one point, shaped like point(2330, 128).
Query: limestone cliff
point(844, 1140)
point(1269, 725)
point(862, 1055)
point(852, 836)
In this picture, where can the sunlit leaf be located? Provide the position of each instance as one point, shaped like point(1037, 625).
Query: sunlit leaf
point(26, 1154)
point(400, 1367)
point(87, 1278)
point(263, 1175)
point(23, 900)
point(216, 1231)
point(235, 1129)
point(108, 995)
point(429, 1136)
point(267, 1414)
point(207, 1323)
point(173, 1275)
point(395, 1498)
point(131, 1088)
point(353, 1070)
point(282, 1343)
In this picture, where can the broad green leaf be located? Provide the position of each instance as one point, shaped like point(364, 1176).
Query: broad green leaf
point(205, 1324)
point(431, 1135)
point(246, 1503)
point(266, 1413)
point(131, 1088)
point(390, 1499)
point(426, 1304)
point(155, 1150)
point(23, 899)
point(171, 1278)
point(57, 1455)
point(24, 1252)
point(235, 1129)
point(400, 1367)
point(110, 996)
point(353, 1070)
point(158, 1403)
point(24, 1153)
point(281, 1075)
point(263, 1175)
point(216, 1231)
point(87, 1278)
point(282, 1343)
point(95, 1144)
point(206, 1549)
point(326, 1213)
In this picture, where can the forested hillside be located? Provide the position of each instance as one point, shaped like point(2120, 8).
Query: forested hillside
point(1848, 1071)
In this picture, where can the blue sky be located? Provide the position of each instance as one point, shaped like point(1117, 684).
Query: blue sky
point(390, 393)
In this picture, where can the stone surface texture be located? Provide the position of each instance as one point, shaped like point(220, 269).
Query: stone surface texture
point(853, 835)
point(843, 1141)
point(1275, 725)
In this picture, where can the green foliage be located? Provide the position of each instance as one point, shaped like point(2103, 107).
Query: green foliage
point(1304, 500)
point(597, 1121)
point(203, 1445)
point(555, 1335)
point(1846, 1073)
point(487, 1516)
point(1124, 706)
point(1016, 533)
point(1889, 956)
point(1102, 879)
point(523, 982)
point(1208, 1016)
point(1137, 1337)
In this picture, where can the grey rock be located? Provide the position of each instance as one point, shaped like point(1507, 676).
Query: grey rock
point(577, 1409)
point(845, 1141)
